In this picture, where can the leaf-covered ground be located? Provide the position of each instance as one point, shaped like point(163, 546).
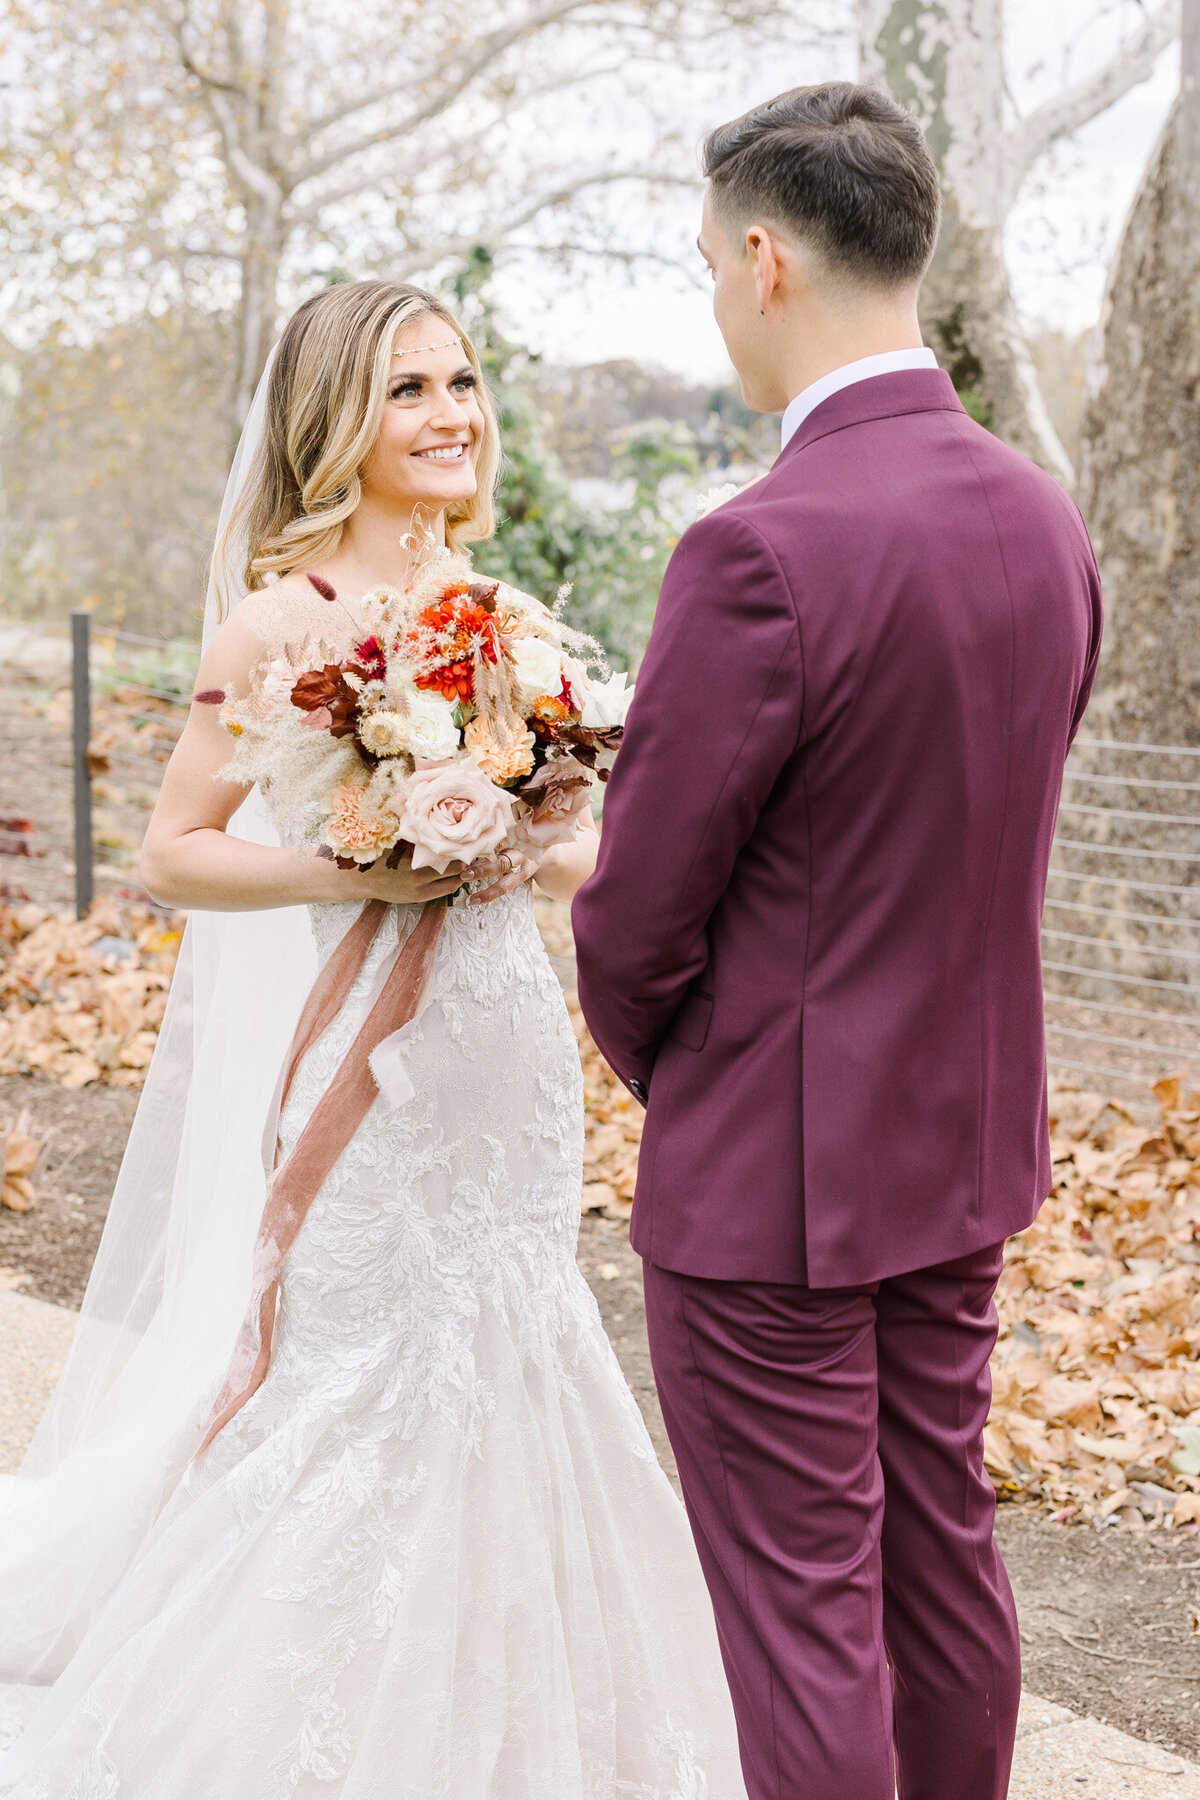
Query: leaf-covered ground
point(1096, 1411)
point(1096, 1408)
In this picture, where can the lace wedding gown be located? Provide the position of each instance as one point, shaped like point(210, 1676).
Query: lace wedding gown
point(434, 1557)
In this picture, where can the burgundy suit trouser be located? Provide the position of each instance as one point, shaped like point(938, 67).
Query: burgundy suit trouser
point(830, 1447)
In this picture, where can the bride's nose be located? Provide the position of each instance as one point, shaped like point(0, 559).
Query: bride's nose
point(450, 410)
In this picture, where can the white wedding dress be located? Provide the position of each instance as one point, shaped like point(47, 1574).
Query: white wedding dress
point(434, 1557)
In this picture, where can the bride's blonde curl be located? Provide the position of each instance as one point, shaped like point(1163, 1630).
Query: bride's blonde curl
point(328, 388)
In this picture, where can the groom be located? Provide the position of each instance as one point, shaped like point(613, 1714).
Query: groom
point(811, 947)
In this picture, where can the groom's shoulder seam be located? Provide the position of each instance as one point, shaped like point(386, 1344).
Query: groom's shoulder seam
point(737, 512)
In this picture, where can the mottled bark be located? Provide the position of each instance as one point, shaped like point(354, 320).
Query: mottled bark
point(944, 61)
point(261, 258)
point(969, 317)
point(1140, 486)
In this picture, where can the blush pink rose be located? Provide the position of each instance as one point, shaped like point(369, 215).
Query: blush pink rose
point(453, 813)
point(550, 805)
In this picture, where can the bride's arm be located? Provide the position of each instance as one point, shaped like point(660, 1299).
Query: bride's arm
point(564, 868)
point(188, 860)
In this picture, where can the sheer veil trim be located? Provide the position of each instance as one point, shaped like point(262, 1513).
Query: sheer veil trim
point(172, 1275)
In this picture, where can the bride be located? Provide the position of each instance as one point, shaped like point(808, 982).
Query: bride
point(432, 1555)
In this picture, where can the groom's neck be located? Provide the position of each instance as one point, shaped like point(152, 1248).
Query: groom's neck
point(817, 340)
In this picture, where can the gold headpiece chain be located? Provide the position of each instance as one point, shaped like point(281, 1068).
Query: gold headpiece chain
point(420, 349)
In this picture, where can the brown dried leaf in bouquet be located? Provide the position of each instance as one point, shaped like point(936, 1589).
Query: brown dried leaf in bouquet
point(327, 688)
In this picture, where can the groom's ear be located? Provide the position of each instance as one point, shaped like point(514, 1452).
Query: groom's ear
point(768, 259)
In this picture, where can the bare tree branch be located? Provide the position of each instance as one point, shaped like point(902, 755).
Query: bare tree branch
point(630, 259)
point(425, 256)
point(218, 97)
point(206, 77)
point(449, 83)
point(1031, 137)
point(252, 175)
point(311, 210)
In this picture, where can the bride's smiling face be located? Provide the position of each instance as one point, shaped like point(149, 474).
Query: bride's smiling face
point(432, 426)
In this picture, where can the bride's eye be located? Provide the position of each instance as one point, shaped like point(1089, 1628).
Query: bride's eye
point(405, 390)
point(465, 382)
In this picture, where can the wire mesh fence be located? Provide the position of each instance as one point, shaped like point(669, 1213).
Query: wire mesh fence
point(1121, 933)
point(129, 699)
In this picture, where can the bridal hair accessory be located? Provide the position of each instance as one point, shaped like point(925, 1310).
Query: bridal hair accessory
point(421, 349)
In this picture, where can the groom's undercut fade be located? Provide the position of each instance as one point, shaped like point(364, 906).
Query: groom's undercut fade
point(840, 166)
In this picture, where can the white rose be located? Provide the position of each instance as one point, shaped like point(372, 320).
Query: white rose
point(606, 703)
point(577, 678)
point(429, 729)
point(538, 666)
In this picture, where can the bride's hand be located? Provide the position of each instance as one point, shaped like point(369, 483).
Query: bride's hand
point(503, 872)
point(404, 885)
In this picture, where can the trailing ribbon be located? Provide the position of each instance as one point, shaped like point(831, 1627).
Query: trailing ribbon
point(331, 1125)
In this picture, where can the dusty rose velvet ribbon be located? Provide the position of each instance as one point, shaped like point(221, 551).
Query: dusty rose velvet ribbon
point(333, 1121)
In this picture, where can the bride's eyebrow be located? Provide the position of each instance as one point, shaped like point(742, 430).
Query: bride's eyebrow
point(414, 377)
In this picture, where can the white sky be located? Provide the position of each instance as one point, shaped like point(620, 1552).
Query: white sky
point(1060, 237)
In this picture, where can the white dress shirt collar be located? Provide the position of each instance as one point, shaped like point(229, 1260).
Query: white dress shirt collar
point(886, 363)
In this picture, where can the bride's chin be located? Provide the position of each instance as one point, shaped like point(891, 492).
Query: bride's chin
point(444, 491)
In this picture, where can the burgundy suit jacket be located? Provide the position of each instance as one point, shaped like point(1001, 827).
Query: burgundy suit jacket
point(813, 936)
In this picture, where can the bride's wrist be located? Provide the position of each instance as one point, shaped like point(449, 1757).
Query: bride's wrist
point(321, 879)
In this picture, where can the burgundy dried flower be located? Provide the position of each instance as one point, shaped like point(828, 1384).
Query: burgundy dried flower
point(210, 697)
point(371, 659)
point(322, 586)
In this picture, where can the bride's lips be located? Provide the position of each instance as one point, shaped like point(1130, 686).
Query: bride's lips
point(452, 455)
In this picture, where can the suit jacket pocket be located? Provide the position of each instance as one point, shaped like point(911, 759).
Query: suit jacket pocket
point(689, 1027)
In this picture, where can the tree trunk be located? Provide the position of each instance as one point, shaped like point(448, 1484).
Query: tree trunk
point(945, 64)
point(261, 258)
point(1140, 484)
point(253, 132)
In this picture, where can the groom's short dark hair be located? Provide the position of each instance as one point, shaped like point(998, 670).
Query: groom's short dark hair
point(841, 166)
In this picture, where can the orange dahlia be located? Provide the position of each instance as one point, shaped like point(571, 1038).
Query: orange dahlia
point(445, 638)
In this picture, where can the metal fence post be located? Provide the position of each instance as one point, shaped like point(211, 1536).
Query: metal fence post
point(81, 732)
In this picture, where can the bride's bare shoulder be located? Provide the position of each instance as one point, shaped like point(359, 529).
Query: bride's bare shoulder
point(261, 624)
point(286, 613)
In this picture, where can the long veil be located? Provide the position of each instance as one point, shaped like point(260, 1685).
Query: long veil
point(172, 1274)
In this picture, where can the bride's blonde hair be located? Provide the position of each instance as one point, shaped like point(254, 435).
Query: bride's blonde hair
point(327, 391)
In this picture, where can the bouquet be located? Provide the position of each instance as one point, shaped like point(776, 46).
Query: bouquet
point(460, 725)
